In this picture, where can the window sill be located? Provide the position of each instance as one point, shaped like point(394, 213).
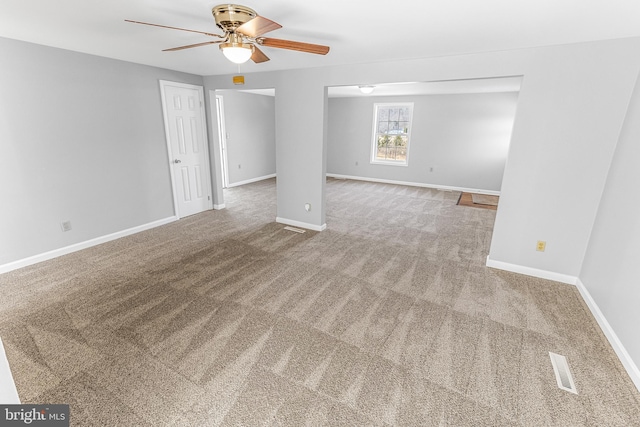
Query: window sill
point(388, 163)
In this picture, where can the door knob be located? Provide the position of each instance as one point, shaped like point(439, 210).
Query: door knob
point(177, 161)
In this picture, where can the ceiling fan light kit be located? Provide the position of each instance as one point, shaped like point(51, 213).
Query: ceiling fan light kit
point(236, 51)
point(243, 29)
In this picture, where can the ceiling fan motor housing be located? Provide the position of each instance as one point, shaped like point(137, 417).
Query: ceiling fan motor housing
point(229, 17)
point(236, 40)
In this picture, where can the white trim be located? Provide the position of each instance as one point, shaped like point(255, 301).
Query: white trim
point(216, 99)
point(163, 85)
point(529, 271)
point(8, 390)
point(389, 162)
point(82, 245)
point(301, 224)
point(627, 362)
point(416, 184)
point(219, 207)
point(249, 181)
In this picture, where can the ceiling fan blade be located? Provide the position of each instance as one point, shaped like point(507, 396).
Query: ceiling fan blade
point(257, 27)
point(175, 28)
point(291, 45)
point(189, 46)
point(258, 55)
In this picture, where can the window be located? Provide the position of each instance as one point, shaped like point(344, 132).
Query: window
point(392, 126)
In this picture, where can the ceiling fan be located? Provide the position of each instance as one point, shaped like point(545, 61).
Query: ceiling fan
point(243, 29)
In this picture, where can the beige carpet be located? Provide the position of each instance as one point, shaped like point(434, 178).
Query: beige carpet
point(389, 317)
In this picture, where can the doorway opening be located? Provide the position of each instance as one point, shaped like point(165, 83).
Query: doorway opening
point(245, 133)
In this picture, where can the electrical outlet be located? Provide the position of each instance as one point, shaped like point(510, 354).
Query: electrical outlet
point(239, 166)
point(541, 246)
point(66, 225)
point(356, 163)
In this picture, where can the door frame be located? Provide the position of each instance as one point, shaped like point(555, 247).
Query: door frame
point(222, 136)
point(164, 84)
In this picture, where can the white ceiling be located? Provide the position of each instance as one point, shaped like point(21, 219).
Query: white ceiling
point(358, 31)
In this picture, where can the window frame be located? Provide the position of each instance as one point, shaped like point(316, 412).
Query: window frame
point(374, 138)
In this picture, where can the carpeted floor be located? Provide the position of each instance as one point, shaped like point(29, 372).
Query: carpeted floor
point(389, 317)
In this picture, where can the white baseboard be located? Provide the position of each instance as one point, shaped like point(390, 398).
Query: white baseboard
point(627, 362)
point(219, 207)
point(416, 184)
point(8, 391)
point(301, 224)
point(529, 271)
point(82, 245)
point(249, 181)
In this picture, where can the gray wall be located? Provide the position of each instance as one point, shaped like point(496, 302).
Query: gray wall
point(463, 137)
point(570, 112)
point(301, 149)
point(250, 125)
point(569, 116)
point(81, 140)
point(610, 269)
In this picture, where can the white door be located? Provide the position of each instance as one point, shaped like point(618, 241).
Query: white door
point(222, 137)
point(183, 107)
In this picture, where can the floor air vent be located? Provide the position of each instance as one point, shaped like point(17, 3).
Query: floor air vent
point(563, 374)
point(297, 230)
